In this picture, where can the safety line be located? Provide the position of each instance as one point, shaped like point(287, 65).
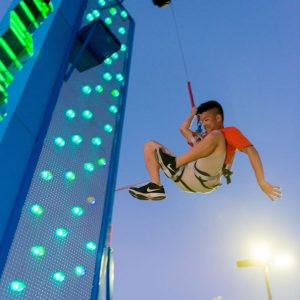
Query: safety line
point(180, 43)
point(189, 86)
point(125, 187)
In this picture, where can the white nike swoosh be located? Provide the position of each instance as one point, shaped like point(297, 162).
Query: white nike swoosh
point(151, 190)
point(169, 167)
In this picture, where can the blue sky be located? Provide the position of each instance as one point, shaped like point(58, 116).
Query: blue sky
point(245, 55)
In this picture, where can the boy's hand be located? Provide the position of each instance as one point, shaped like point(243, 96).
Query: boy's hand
point(272, 191)
point(194, 110)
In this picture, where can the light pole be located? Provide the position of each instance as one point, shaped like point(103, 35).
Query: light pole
point(267, 281)
point(254, 263)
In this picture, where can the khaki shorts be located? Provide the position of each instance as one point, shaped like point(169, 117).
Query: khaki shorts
point(194, 180)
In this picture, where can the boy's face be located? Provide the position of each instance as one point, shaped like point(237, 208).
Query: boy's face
point(211, 120)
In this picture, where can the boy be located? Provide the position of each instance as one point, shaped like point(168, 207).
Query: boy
point(199, 170)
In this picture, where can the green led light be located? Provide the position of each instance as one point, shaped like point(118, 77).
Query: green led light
point(71, 176)
point(77, 139)
point(37, 210)
point(123, 48)
point(86, 89)
point(17, 286)
point(102, 2)
point(108, 61)
point(59, 141)
point(101, 161)
point(21, 32)
point(43, 7)
point(79, 270)
point(7, 49)
point(113, 109)
point(115, 93)
point(29, 15)
point(58, 276)
point(99, 88)
point(77, 211)
point(46, 175)
point(107, 76)
point(87, 114)
point(70, 113)
point(119, 77)
point(113, 11)
point(108, 128)
point(115, 55)
point(96, 13)
point(61, 232)
point(89, 167)
point(89, 17)
point(8, 77)
point(108, 21)
point(122, 30)
point(124, 14)
point(38, 250)
point(97, 141)
point(91, 246)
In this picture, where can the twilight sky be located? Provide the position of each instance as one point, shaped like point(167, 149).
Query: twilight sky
point(246, 55)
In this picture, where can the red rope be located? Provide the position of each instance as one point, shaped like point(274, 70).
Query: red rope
point(191, 94)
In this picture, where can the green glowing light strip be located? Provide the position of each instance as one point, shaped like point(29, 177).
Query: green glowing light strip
point(19, 23)
point(29, 14)
point(20, 31)
point(43, 7)
point(10, 53)
point(16, 22)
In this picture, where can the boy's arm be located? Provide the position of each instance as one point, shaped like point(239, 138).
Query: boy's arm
point(270, 190)
point(185, 126)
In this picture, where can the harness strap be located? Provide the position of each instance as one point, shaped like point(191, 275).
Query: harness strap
point(178, 179)
point(201, 180)
point(186, 186)
point(198, 176)
point(227, 173)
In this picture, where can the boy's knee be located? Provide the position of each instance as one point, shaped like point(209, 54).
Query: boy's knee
point(151, 145)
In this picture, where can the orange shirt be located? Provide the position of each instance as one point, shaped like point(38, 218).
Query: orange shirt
point(234, 140)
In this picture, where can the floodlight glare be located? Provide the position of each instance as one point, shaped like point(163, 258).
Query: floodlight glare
point(283, 261)
point(262, 253)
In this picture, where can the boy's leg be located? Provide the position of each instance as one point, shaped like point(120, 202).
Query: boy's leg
point(153, 190)
point(214, 143)
point(151, 163)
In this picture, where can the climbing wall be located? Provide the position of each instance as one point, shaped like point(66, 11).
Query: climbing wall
point(58, 243)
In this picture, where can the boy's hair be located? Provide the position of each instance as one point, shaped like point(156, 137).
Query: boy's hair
point(212, 104)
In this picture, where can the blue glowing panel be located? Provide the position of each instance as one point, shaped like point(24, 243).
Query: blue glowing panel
point(54, 251)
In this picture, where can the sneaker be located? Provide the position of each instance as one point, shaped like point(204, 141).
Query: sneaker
point(168, 164)
point(149, 191)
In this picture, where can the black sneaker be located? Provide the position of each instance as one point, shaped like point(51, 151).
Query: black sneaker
point(168, 164)
point(149, 191)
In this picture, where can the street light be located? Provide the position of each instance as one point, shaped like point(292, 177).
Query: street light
point(256, 263)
